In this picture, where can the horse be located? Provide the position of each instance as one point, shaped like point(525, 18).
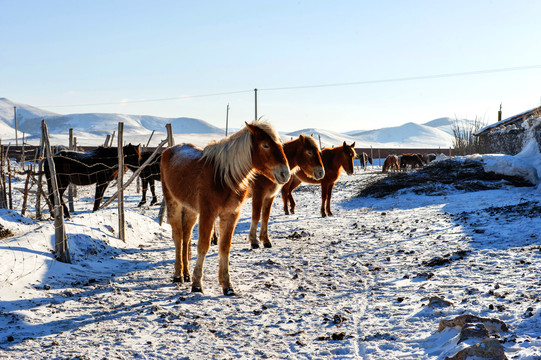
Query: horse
point(334, 160)
point(99, 166)
point(212, 183)
point(410, 159)
point(303, 155)
point(390, 163)
point(148, 175)
point(364, 159)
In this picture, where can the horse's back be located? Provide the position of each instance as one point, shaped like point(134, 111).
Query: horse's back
point(181, 167)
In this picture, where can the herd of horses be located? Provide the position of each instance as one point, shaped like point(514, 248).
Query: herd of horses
point(212, 183)
point(405, 161)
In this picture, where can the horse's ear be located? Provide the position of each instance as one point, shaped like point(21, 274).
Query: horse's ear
point(353, 145)
point(302, 138)
point(344, 144)
point(251, 128)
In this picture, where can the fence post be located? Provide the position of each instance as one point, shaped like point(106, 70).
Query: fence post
point(9, 186)
point(171, 142)
point(120, 181)
point(106, 143)
point(2, 179)
point(70, 186)
point(60, 239)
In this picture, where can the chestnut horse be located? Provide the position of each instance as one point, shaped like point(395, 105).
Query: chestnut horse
point(334, 160)
point(390, 163)
point(212, 183)
point(303, 155)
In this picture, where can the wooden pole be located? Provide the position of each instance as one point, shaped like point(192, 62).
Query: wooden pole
point(120, 181)
point(26, 184)
point(255, 93)
point(15, 116)
point(150, 138)
point(171, 142)
point(60, 239)
point(3, 204)
point(112, 138)
point(9, 186)
point(107, 138)
point(70, 186)
point(226, 119)
point(39, 181)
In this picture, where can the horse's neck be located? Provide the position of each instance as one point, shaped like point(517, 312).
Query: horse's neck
point(328, 157)
point(290, 150)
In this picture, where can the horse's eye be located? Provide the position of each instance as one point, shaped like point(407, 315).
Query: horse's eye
point(309, 153)
point(265, 146)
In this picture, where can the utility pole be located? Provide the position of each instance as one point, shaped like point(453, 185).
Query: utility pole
point(255, 92)
point(226, 119)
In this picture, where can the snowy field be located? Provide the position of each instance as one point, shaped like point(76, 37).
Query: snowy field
point(372, 282)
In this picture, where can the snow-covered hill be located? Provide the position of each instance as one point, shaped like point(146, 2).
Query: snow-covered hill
point(92, 129)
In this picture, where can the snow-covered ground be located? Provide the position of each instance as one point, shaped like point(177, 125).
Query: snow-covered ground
point(353, 286)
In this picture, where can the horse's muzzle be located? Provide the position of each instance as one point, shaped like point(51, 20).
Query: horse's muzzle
point(281, 174)
point(319, 173)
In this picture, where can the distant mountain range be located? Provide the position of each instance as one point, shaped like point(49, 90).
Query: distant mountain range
point(92, 129)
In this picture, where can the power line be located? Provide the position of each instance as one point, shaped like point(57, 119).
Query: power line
point(364, 82)
point(425, 77)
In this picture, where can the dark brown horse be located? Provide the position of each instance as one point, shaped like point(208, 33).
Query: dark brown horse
point(148, 176)
point(413, 160)
point(99, 166)
point(212, 183)
point(364, 159)
point(333, 161)
point(303, 156)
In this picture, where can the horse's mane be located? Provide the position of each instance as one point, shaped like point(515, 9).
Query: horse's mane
point(232, 156)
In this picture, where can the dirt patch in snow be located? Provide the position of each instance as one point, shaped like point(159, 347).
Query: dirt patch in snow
point(438, 178)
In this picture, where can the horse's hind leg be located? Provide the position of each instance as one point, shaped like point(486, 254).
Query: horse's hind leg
point(189, 218)
point(227, 226)
point(257, 203)
point(324, 198)
point(294, 184)
point(206, 223)
point(329, 194)
point(174, 217)
point(285, 198)
point(264, 231)
point(153, 191)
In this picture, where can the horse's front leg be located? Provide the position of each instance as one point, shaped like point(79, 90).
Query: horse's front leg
point(98, 197)
point(257, 202)
point(206, 224)
point(227, 226)
point(285, 198)
point(144, 184)
point(264, 231)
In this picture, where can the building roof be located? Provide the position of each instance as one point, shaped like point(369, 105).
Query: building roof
point(510, 120)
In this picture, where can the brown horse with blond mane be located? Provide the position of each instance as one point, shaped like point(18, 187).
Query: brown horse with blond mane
point(334, 160)
point(303, 156)
point(212, 183)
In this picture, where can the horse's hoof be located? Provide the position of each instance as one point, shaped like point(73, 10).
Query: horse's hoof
point(255, 245)
point(268, 245)
point(229, 292)
point(292, 212)
point(198, 289)
point(187, 278)
point(153, 202)
point(177, 279)
point(323, 215)
point(286, 212)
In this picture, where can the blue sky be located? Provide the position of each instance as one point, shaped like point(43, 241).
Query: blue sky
point(158, 57)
